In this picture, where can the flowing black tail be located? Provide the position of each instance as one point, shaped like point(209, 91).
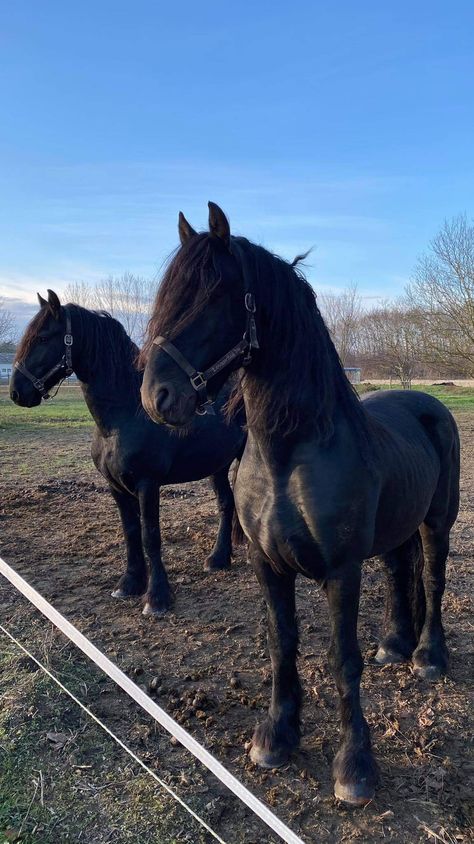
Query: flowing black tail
point(238, 536)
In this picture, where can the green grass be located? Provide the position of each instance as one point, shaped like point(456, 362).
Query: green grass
point(455, 398)
point(68, 409)
point(87, 788)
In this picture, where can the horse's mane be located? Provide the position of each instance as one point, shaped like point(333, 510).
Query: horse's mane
point(104, 345)
point(297, 365)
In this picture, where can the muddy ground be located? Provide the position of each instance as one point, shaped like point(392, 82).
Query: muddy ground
point(60, 530)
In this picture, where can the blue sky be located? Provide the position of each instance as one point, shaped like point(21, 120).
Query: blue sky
point(347, 126)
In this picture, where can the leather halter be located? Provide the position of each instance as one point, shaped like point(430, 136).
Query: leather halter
point(65, 364)
point(198, 379)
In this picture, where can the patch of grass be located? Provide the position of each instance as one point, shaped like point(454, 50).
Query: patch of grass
point(455, 398)
point(68, 409)
point(82, 787)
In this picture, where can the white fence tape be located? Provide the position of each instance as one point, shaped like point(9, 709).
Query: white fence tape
point(149, 705)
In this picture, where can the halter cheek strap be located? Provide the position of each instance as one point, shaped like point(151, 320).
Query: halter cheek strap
point(200, 379)
point(65, 364)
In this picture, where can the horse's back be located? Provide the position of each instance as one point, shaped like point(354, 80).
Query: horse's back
point(409, 413)
point(424, 439)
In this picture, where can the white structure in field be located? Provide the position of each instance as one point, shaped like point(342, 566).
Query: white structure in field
point(6, 365)
point(353, 374)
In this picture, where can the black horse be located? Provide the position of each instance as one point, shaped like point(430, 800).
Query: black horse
point(134, 455)
point(325, 481)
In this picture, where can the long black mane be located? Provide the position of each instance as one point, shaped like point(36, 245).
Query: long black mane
point(101, 346)
point(106, 347)
point(297, 367)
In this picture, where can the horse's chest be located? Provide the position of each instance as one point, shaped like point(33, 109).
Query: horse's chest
point(275, 526)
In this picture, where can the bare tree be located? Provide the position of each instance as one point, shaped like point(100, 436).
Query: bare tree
point(390, 338)
point(6, 324)
point(128, 298)
point(442, 292)
point(82, 294)
point(342, 313)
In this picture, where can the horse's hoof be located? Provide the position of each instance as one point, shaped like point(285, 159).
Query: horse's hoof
point(432, 673)
point(354, 794)
point(127, 588)
point(154, 612)
point(386, 656)
point(216, 565)
point(120, 593)
point(430, 663)
point(268, 758)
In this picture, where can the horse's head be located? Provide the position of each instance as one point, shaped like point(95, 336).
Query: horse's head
point(202, 327)
point(44, 355)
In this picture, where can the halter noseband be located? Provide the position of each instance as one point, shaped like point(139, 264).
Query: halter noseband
point(65, 364)
point(199, 379)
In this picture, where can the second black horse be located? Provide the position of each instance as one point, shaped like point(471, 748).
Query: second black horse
point(134, 455)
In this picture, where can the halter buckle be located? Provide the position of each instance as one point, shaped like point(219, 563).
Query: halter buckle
point(198, 381)
point(68, 339)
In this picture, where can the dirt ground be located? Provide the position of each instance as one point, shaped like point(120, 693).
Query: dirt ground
point(60, 530)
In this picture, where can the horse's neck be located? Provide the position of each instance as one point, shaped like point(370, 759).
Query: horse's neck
point(278, 448)
point(108, 411)
point(110, 397)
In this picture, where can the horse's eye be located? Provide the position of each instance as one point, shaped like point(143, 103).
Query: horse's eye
point(42, 339)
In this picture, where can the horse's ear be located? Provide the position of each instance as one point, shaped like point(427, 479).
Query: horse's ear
point(42, 302)
point(218, 223)
point(185, 230)
point(54, 304)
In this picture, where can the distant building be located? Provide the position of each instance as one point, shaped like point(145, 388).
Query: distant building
point(6, 366)
point(353, 374)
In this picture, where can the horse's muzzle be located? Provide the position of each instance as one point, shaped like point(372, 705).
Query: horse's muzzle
point(168, 407)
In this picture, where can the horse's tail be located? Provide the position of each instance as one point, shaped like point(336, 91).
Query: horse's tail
point(418, 599)
point(238, 536)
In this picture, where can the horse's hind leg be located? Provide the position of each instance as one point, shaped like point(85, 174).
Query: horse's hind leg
point(430, 659)
point(134, 580)
point(403, 567)
point(220, 556)
point(279, 734)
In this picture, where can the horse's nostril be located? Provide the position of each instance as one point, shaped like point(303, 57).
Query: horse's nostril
point(14, 396)
point(163, 399)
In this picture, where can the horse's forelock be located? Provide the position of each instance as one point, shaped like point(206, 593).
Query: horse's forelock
point(31, 332)
point(182, 293)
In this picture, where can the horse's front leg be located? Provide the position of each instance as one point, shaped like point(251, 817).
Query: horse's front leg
point(276, 737)
point(159, 597)
point(354, 769)
point(134, 580)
